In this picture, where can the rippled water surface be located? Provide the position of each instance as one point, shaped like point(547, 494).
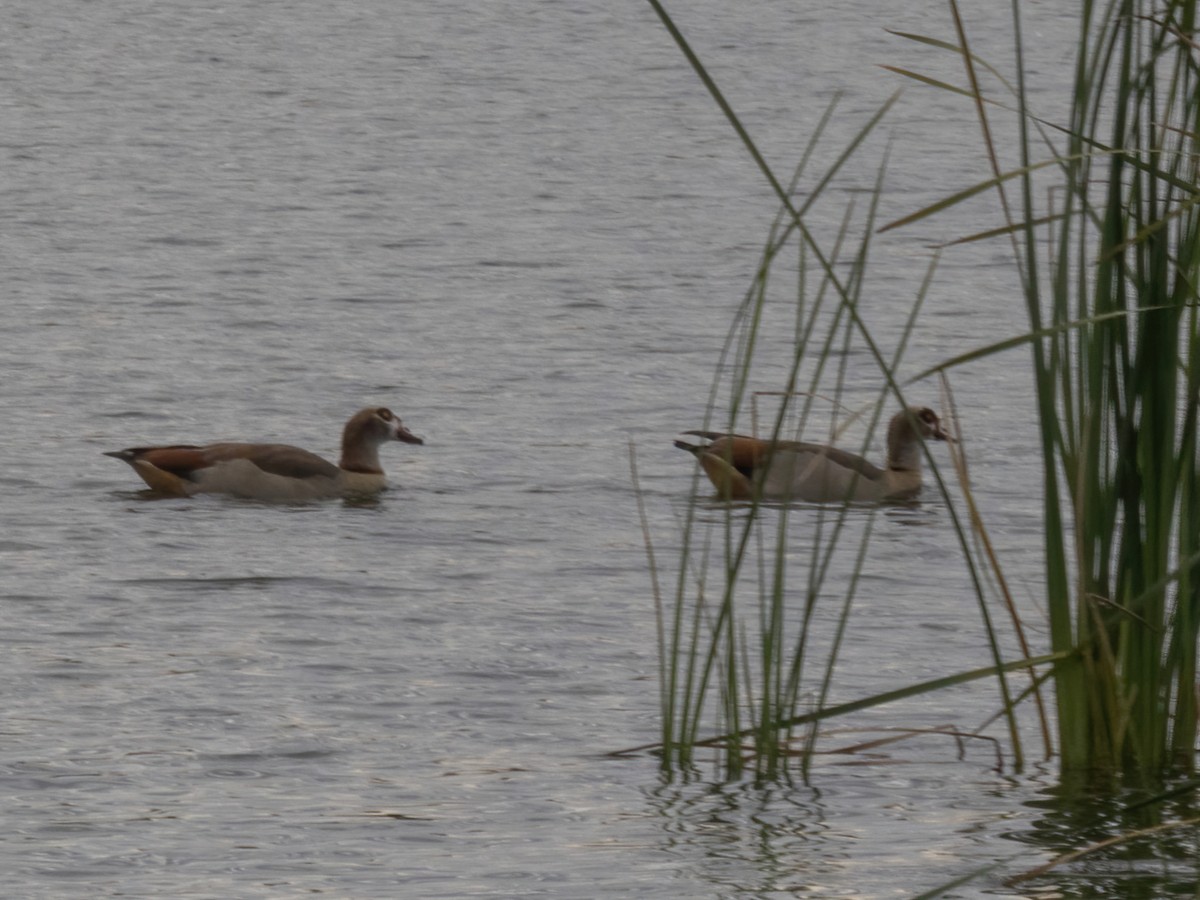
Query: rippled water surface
point(524, 227)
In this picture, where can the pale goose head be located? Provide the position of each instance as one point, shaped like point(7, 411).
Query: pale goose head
point(367, 430)
point(905, 432)
point(273, 471)
point(743, 468)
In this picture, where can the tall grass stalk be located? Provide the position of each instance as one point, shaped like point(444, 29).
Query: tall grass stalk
point(1109, 269)
point(734, 633)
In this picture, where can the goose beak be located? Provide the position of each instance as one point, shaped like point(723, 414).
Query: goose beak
point(403, 434)
point(940, 435)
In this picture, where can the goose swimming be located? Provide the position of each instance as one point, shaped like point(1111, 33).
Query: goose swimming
point(273, 471)
point(742, 468)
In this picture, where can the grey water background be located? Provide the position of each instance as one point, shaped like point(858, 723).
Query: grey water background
point(525, 227)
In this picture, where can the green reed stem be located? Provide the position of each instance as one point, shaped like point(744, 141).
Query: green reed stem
point(1115, 351)
point(709, 647)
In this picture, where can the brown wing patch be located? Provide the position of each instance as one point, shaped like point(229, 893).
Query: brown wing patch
point(750, 456)
point(162, 481)
point(745, 454)
point(729, 482)
point(277, 459)
point(180, 460)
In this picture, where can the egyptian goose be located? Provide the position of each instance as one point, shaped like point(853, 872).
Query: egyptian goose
point(744, 467)
point(273, 471)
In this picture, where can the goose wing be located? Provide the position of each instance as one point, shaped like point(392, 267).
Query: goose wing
point(283, 460)
point(748, 454)
point(842, 459)
point(189, 461)
point(819, 474)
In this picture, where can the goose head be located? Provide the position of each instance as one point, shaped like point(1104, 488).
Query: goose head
point(366, 431)
point(905, 433)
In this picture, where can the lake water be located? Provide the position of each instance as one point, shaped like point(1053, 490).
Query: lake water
point(525, 227)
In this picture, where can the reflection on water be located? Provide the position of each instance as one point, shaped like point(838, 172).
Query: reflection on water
point(908, 822)
point(753, 839)
point(1143, 849)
